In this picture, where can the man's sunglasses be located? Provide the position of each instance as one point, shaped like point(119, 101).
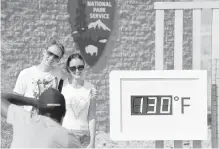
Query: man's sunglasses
point(52, 54)
point(79, 67)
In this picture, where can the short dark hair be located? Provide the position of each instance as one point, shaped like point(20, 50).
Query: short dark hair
point(52, 103)
point(73, 56)
point(59, 45)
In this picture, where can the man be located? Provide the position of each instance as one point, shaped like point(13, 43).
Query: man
point(42, 130)
point(34, 80)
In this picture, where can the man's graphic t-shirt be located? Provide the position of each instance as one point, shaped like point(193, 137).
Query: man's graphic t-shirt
point(32, 82)
point(42, 83)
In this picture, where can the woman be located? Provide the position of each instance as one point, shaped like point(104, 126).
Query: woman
point(80, 97)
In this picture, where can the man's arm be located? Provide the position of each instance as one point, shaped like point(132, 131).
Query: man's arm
point(10, 98)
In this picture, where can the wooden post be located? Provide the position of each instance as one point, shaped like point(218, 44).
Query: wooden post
point(178, 55)
point(159, 36)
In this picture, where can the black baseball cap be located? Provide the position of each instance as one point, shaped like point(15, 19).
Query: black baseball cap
point(51, 98)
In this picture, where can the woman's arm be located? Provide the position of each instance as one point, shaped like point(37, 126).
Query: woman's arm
point(92, 119)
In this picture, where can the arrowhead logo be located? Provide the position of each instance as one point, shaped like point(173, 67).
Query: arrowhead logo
point(91, 23)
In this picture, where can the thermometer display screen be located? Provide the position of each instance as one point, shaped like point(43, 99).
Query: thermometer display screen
point(151, 105)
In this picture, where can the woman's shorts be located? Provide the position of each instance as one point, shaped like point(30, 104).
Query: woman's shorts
point(83, 136)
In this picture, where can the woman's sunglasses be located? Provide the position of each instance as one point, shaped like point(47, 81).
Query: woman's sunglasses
point(79, 67)
point(52, 54)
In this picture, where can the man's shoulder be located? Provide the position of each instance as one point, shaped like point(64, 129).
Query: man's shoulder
point(60, 132)
point(28, 69)
point(18, 109)
point(17, 114)
point(62, 138)
point(57, 130)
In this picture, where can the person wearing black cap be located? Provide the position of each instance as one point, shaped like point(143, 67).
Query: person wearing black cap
point(42, 130)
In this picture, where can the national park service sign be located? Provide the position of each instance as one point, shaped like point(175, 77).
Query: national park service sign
point(91, 23)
